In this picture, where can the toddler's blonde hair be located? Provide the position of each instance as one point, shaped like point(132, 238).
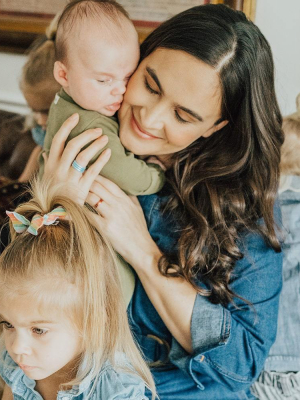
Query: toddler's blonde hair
point(71, 268)
point(290, 151)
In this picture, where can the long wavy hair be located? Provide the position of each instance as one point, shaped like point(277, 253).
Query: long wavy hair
point(71, 268)
point(224, 184)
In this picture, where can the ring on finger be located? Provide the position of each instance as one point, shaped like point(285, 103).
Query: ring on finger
point(98, 202)
point(78, 167)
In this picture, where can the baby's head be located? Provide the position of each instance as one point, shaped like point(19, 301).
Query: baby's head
point(97, 50)
point(290, 150)
point(61, 304)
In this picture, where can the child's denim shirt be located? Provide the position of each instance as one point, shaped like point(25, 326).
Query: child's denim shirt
point(111, 385)
point(230, 344)
point(285, 353)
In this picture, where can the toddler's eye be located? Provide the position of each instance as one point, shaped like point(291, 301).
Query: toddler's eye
point(39, 331)
point(6, 325)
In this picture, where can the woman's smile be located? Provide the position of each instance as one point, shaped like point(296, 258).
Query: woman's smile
point(136, 127)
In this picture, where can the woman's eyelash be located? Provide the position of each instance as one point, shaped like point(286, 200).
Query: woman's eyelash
point(179, 119)
point(149, 88)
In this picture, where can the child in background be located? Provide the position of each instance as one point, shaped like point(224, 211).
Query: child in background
point(281, 376)
point(39, 87)
point(64, 321)
point(97, 51)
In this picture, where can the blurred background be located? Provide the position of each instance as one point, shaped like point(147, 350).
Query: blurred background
point(21, 22)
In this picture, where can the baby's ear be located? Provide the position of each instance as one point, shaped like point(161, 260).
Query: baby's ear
point(60, 74)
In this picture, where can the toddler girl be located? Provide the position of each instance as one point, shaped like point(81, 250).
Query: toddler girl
point(39, 87)
point(65, 330)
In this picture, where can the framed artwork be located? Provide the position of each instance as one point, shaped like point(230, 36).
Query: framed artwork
point(22, 21)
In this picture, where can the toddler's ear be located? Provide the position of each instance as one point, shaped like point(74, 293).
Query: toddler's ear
point(60, 74)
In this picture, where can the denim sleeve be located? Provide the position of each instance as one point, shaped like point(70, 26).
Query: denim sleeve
point(230, 344)
point(120, 385)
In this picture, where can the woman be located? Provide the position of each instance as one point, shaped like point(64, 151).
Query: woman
point(206, 299)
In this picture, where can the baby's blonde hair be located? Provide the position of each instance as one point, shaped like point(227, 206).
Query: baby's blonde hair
point(290, 150)
point(104, 13)
point(77, 266)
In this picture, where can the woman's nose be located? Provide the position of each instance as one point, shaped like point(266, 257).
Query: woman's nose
point(153, 116)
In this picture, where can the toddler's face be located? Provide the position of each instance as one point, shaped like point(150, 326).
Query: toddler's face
point(39, 99)
point(40, 344)
point(98, 68)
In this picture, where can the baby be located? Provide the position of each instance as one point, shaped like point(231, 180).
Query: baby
point(97, 51)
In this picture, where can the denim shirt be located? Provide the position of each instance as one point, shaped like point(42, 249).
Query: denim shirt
point(285, 353)
point(230, 344)
point(110, 385)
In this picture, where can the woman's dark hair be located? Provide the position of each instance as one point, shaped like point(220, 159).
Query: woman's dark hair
point(224, 184)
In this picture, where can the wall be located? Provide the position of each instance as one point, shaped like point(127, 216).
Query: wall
point(279, 20)
point(11, 97)
point(279, 23)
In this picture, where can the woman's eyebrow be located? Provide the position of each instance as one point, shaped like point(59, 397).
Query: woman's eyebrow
point(153, 75)
point(192, 113)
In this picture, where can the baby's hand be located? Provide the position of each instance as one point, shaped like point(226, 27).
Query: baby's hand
point(155, 160)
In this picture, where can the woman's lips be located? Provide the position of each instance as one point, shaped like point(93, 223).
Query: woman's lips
point(139, 131)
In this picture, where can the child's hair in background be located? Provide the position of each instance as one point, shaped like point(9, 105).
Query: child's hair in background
point(37, 73)
point(290, 151)
point(70, 267)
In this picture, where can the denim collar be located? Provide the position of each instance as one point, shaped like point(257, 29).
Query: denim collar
point(19, 382)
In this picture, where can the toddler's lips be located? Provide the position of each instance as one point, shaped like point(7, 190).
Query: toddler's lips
point(26, 367)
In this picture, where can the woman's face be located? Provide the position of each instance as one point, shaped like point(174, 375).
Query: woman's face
point(171, 100)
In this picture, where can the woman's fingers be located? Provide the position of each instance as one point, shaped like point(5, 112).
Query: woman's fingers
point(110, 186)
point(92, 172)
point(85, 156)
point(76, 144)
point(59, 140)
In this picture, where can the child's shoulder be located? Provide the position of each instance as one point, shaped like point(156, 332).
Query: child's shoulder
point(63, 103)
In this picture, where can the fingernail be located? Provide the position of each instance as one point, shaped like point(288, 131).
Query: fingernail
point(99, 131)
point(74, 116)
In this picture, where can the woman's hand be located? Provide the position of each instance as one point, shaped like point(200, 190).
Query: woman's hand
point(58, 165)
point(123, 222)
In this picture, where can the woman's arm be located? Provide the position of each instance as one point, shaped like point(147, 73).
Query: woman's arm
point(124, 223)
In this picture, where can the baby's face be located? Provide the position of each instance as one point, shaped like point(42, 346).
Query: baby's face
point(99, 67)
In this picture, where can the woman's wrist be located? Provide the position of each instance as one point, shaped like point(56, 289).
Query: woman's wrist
point(145, 259)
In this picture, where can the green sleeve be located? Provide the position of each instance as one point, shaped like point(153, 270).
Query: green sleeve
point(133, 175)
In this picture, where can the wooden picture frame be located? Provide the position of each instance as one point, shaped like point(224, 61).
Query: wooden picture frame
point(18, 29)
